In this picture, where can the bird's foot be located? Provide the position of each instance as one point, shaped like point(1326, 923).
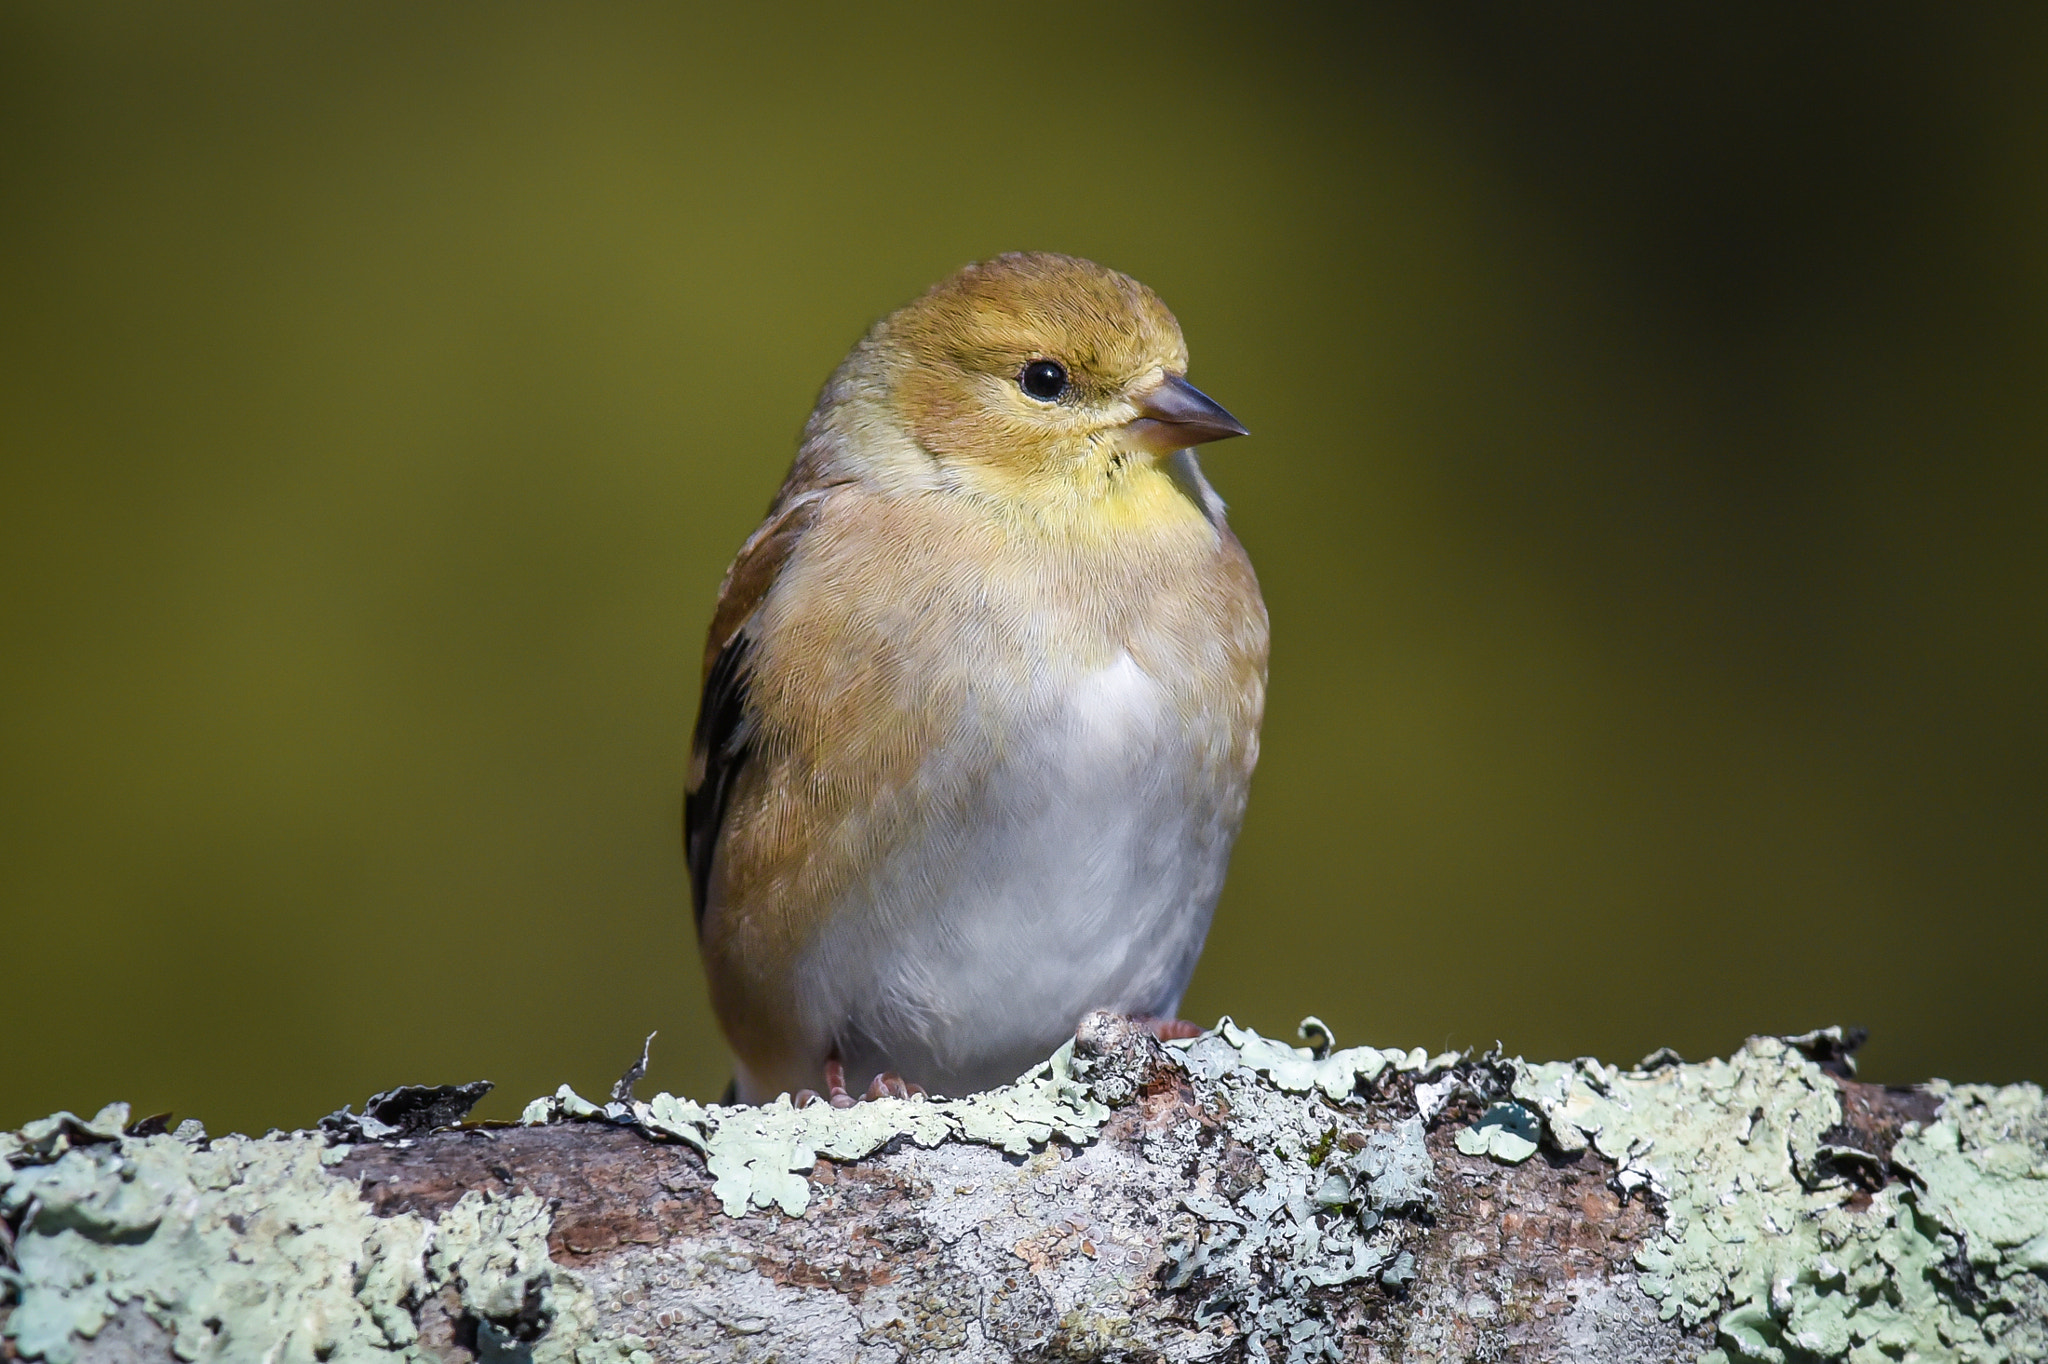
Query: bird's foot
point(890, 1085)
point(1170, 1029)
point(887, 1085)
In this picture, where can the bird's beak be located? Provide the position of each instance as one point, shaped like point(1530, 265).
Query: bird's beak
point(1173, 414)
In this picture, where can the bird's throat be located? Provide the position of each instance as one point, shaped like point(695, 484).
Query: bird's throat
point(1106, 499)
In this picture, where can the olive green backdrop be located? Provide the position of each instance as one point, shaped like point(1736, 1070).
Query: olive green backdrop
point(1648, 484)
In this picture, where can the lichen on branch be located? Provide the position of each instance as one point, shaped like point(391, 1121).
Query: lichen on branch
point(1225, 1197)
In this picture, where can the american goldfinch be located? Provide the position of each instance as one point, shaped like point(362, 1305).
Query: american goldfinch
point(981, 696)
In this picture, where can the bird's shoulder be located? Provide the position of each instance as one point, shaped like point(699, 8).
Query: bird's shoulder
point(720, 744)
point(758, 566)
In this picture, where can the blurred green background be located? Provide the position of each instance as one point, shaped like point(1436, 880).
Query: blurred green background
point(1648, 484)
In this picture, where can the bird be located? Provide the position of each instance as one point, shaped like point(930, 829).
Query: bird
point(981, 698)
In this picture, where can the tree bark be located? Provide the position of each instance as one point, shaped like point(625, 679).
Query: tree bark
point(1225, 1199)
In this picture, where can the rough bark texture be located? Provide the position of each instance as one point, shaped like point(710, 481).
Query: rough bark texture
point(1234, 1199)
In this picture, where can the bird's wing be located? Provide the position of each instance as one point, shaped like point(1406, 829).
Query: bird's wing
point(719, 747)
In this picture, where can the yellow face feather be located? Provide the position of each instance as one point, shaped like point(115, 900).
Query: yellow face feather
point(1067, 460)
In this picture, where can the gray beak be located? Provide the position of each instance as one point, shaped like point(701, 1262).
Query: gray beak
point(1174, 415)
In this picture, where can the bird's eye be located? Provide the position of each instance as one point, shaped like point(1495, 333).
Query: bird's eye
point(1044, 380)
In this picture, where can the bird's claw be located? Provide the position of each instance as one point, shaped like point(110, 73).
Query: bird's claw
point(890, 1085)
point(1171, 1029)
point(887, 1085)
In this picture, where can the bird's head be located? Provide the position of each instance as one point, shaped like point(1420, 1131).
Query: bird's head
point(1044, 378)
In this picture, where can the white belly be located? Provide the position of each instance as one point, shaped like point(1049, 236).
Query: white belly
point(1074, 864)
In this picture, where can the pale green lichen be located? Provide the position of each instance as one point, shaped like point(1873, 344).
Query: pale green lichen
point(1789, 1258)
point(251, 1249)
point(1506, 1132)
point(200, 1238)
point(1985, 1167)
point(1317, 1066)
point(495, 1252)
point(761, 1157)
point(49, 1138)
point(1322, 1213)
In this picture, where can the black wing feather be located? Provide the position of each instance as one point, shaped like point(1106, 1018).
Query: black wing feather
point(721, 739)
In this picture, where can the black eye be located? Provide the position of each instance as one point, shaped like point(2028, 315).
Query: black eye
point(1044, 380)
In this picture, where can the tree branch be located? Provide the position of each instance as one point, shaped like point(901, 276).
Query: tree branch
point(1224, 1198)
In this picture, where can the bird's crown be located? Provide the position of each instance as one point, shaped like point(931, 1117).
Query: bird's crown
point(994, 317)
